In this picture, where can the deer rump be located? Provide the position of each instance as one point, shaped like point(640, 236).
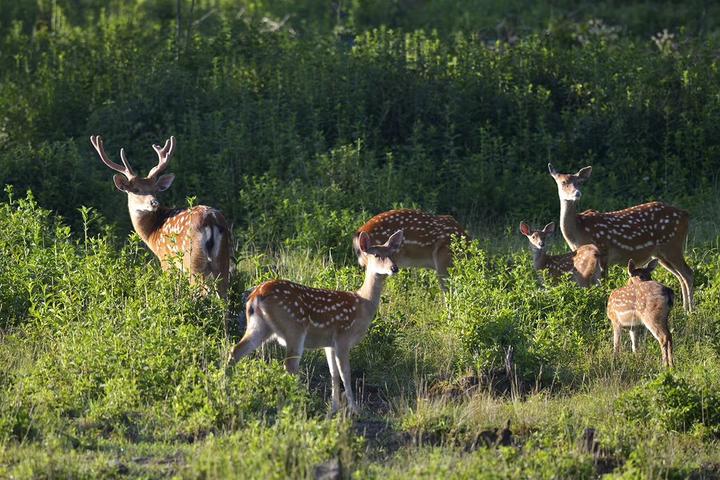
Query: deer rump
point(213, 241)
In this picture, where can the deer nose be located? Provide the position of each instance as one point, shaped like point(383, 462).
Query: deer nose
point(578, 194)
point(154, 203)
point(394, 269)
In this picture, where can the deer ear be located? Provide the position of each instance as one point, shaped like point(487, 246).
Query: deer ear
point(584, 172)
point(552, 170)
point(165, 181)
point(652, 264)
point(121, 182)
point(631, 266)
point(524, 228)
point(395, 241)
point(363, 242)
point(549, 228)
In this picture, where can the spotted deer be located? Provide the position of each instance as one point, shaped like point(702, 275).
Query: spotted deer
point(427, 239)
point(584, 264)
point(638, 233)
point(196, 238)
point(642, 302)
point(300, 317)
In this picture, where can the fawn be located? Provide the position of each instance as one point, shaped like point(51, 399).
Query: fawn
point(300, 317)
point(427, 238)
point(642, 302)
point(584, 263)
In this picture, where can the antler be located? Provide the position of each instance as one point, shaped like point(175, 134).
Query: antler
point(126, 170)
point(164, 155)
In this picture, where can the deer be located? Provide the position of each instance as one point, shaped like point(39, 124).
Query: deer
point(196, 239)
point(642, 302)
point(300, 317)
point(427, 239)
point(584, 264)
point(638, 233)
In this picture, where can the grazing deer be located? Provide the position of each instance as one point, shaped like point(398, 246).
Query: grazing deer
point(198, 237)
point(427, 239)
point(637, 233)
point(642, 302)
point(300, 317)
point(584, 263)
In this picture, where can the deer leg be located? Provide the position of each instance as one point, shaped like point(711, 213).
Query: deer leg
point(617, 332)
point(684, 274)
point(668, 351)
point(256, 333)
point(342, 357)
point(442, 258)
point(603, 265)
point(633, 339)
point(335, 377)
point(293, 353)
point(662, 335)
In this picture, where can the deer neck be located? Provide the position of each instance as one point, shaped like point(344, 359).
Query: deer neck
point(371, 290)
point(147, 224)
point(569, 224)
point(540, 258)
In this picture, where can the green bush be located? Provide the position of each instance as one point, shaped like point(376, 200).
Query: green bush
point(102, 349)
point(497, 302)
point(677, 403)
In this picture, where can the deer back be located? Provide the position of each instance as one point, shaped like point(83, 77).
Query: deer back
point(629, 305)
point(423, 233)
point(635, 232)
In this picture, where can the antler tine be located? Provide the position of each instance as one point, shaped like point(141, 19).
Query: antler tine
point(125, 161)
point(164, 155)
point(97, 142)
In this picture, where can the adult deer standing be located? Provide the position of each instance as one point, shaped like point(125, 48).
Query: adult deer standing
point(198, 237)
point(642, 302)
point(300, 317)
point(584, 264)
point(637, 233)
point(427, 238)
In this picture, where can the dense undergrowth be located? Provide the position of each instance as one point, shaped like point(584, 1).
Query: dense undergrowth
point(112, 367)
point(300, 119)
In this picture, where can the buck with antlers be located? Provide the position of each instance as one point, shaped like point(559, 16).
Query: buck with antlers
point(642, 302)
point(198, 238)
point(300, 317)
point(584, 264)
point(427, 238)
point(638, 233)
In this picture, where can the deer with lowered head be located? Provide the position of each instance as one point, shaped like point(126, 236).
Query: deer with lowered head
point(638, 233)
point(301, 317)
point(197, 239)
point(584, 264)
point(427, 238)
point(642, 302)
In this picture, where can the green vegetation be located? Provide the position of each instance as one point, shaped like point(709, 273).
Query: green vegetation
point(300, 119)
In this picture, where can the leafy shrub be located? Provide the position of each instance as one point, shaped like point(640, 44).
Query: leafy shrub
point(496, 303)
point(675, 403)
point(106, 349)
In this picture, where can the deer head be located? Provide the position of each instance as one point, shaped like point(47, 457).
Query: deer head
point(641, 274)
point(569, 184)
point(537, 237)
point(378, 258)
point(141, 191)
